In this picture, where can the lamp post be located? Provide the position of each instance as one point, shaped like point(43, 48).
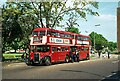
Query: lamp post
point(86, 32)
point(94, 40)
point(94, 35)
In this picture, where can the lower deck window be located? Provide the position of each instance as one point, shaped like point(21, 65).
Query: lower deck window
point(43, 48)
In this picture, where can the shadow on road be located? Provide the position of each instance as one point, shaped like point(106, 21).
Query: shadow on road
point(83, 72)
point(56, 63)
point(114, 77)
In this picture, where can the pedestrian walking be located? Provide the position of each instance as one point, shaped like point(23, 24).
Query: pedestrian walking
point(77, 55)
point(99, 53)
point(71, 56)
point(108, 54)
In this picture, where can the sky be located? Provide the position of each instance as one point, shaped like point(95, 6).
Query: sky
point(107, 20)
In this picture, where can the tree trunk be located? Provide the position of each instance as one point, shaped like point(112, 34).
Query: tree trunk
point(15, 50)
point(42, 25)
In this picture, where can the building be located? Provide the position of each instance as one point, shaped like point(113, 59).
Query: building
point(118, 27)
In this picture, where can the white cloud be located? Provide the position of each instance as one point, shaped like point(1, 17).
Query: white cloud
point(106, 0)
point(69, 3)
point(106, 17)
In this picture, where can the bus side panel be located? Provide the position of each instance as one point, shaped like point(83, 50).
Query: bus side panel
point(62, 55)
point(81, 55)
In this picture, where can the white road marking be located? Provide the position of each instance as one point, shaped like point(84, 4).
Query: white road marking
point(114, 73)
point(109, 75)
point(102, 79)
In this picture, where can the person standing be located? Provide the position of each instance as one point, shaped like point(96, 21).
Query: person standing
point(99, 53)
point(108, 54)
point(71, 56)
point(77, 55)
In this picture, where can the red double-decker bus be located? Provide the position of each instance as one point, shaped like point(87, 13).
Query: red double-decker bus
point(49, 45)
point(83, 45)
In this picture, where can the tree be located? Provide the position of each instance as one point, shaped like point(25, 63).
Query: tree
point(100, 41)
point(112, 46)
point(20, 18)
point(72, 25)
point(54, 12)
point(18, 22)
point(11, 27)
point(73, 30)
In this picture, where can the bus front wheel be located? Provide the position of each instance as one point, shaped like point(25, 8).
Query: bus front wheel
point(30, 63)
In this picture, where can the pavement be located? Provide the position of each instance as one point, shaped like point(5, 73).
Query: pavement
point(102, 56)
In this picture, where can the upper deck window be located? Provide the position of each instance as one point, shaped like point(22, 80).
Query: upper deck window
point(35, 33)
point(42, 33)
point(79, 38)
point(48, 33)
point(72, 36)
point(52, 33)
point(62, 35)
point(55, 34)
point(67, 36)
point(85, 38)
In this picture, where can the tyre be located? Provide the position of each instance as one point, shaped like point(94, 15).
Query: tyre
point(67, 59)
point(47, 61)
point(30, 63)
point(27, 61)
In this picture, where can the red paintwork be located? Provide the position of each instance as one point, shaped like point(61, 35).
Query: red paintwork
point(60, 55)
point(31, 55)
point(83, 53)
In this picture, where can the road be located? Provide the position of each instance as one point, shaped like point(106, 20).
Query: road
point(99, 69)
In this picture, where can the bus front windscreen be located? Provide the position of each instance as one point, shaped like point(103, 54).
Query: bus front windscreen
point(35, 33)
point(43, 48)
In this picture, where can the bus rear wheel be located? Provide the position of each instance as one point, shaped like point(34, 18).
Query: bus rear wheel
point(47, 61)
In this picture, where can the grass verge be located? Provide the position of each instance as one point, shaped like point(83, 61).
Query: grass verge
point(11, 56)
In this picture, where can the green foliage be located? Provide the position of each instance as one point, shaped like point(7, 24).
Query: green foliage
point(112, 46)
point(54, 12)
point(18, 22)
point(12, 55)
point(100, 41)
point(72, 25)
point(73, 30)
point(20, 18)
